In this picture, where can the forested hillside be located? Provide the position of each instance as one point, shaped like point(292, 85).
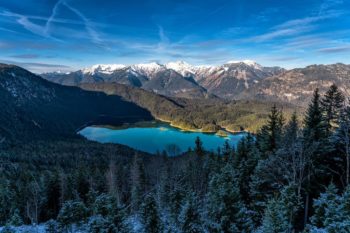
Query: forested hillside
point(290, 177)
point(33, 108)
point(208, 115)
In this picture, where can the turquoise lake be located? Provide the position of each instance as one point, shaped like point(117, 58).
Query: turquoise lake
point(158, 138)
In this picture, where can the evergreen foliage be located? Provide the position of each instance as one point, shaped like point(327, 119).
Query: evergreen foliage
point(271, 182)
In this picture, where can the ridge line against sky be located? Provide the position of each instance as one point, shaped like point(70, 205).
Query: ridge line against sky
point(70, 34)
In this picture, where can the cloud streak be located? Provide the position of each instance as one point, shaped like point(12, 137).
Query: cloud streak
point(38, 67)
point(94, 35)
point(46, 30)
point(341, 49)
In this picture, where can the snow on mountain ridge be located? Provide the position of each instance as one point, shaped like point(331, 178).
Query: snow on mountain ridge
point(181, 67)
point(103, 68)
point(250, 63)
point(146, 69)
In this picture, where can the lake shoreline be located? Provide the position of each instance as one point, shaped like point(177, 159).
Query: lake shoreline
point(157, 136)
point(222, 132)
point(201, 130)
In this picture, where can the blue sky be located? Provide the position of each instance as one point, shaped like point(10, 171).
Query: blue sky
point(46, 35)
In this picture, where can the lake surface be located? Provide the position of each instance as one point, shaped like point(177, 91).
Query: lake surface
point(157, 138)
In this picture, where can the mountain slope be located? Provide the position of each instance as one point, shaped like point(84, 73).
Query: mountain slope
point(152, 76)
point(208, 115)
point(297, 85)
point(175, 79)
point(229, 80)
point(33, 108)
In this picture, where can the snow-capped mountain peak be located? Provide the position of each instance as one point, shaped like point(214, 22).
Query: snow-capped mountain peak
point(181, 67)
point(103, 68)
point(250, 63)
point(147, 68)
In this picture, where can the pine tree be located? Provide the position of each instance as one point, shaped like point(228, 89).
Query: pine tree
point(199, 150)
point(103, 205)
point(70, 213)
point(190, 219)
point(269, 137)
point(314, 129)
point(331, 104)
point(53, 194)
point(226, 211)
point(150, 216)
point(291, 131)
point(321, 205)
point(16, 219)
point(275, 219)
point(117, 216)
point(51, 226)
point(99, 224)
point(341, 140)
point(176, 198)
point(226, 151)
point(138, 182)
point(332, 213)
point(246, 159)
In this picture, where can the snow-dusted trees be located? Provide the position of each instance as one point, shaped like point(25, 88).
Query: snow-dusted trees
point(280, 212)
point(150, 217)
point(138, 182)
point(190, 217)
point(332, 212)
point(72, 212)
point(269, 138)
point(225, 209)
point(332, 103)
point(342, 140)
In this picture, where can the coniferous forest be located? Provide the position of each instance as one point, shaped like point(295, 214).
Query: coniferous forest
point(292, 176)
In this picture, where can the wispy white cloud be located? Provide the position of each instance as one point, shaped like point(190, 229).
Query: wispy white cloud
point(52, 16)
point(94, 35)
point(282, 32)
point(46, 30)
point(327, 5)
point(297, 26)
point(26, 23)
point(338, 49)
point(38, 67)
point(164, 40)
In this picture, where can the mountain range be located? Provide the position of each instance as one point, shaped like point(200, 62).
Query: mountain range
point(232, 80)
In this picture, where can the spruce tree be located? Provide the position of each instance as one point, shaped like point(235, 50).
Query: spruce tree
point(99, 224)
point(226, 211)
point(280, 212)
point(341, 141)
point(16, 219)
point(176, 197)
point(332, 213)
point(331, 104)
point(269, 137)
point(138, 182)
point(150, 216)
point(322, 204)
point(226, 150)
point(189, 218)
point(199, 150)
point(117, 217)
point(314, 129)
point(291, 131)
point(72, 212)
point(51, 226)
